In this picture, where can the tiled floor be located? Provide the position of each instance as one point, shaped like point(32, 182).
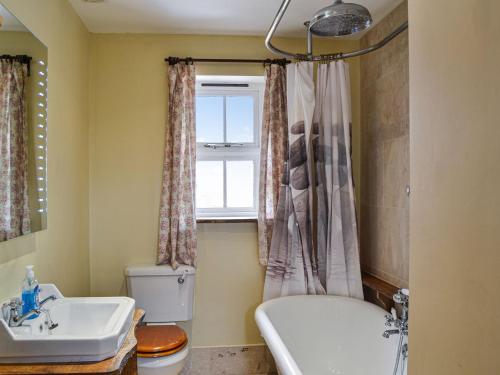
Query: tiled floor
point(235, 360)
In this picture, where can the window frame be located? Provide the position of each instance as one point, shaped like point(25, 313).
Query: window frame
point(243, 151)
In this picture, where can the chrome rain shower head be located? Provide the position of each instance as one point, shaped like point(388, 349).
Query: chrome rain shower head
point(340, 19)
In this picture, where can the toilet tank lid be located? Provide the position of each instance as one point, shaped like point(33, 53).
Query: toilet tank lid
point(153, 270)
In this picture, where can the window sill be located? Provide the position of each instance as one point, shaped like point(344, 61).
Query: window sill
point(221, 220)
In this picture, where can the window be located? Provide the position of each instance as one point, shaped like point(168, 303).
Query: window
point(228, 117)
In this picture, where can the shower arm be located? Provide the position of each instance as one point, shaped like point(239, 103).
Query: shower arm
point(333, 56)
point(272, 30)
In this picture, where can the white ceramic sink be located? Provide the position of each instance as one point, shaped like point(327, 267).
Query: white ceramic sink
point(89, 329)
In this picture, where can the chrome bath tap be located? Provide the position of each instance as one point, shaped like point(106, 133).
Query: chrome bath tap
point(388, 333)
point(392, 320)
point(402, 297)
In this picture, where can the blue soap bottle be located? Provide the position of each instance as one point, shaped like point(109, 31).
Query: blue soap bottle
point(30, 292)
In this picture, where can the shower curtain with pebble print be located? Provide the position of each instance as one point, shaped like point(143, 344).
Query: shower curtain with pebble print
point(314, 246)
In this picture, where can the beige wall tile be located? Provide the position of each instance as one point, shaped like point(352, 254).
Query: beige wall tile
point(396, 172)
point(385, 153)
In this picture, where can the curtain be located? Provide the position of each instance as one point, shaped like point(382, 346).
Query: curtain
point(177, 227)
point(337, 234)
point(314, 245)
point(274, 143)
point(14, 209)
point(292, 267)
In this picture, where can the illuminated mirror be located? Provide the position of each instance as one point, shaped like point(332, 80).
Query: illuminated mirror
point(23, 129)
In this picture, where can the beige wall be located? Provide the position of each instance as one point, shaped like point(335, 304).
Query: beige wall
point(60, 253)
point(128, 116)
point(385, 150)
point(455, 200)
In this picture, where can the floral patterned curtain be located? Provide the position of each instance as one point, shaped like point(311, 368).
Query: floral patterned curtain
point(14, 209)
point(274, 143)
point(177, 232)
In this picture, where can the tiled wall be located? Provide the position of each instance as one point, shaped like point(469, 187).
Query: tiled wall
point(385, 153)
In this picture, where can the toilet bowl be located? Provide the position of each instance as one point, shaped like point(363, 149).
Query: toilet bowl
point(169, 365)
point(161, 349)
point(166, 295)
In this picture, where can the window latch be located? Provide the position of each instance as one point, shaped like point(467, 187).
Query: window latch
point(215, 146)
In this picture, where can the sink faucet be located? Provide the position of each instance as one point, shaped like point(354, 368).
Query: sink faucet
point(16, 320)
point(12, 311)
point(45, 300)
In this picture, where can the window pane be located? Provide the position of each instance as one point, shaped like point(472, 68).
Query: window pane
point(240, 183)
point(209, 119)
point(210, 184)
point(240, 119)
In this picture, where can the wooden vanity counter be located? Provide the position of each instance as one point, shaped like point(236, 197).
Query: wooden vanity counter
point(124, 362)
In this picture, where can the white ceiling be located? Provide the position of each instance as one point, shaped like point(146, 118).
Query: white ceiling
point(10, 23)
point(234, 17)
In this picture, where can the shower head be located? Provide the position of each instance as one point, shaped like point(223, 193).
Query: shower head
point(340, 19)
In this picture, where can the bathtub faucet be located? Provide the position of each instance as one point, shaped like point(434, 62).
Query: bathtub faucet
point(402, 297)
point(388, 333)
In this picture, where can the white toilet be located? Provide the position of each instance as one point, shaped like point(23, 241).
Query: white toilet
point(167, 297)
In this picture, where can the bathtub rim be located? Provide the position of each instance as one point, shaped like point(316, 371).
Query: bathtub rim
point(284, 360)
point(281, 354)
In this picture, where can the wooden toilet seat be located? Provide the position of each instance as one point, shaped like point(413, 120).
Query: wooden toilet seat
point(155, 341)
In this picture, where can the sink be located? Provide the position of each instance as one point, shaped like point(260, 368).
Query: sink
point(89, 329)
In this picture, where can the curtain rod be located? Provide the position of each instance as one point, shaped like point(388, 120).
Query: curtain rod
point(172, 60)
point(23, 59)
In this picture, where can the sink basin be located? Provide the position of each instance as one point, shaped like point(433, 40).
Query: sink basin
point(89, 329)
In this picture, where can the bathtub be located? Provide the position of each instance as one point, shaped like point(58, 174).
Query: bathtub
point(319, 335)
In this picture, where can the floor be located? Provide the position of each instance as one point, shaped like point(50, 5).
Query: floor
point(232, 360)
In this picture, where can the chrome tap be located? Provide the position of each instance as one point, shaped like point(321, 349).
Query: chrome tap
point(45, 300)
point(392, 320)
point(12, 308)
point(388, 333)
point(16, 320)
point(402, 297)
point(12, 311)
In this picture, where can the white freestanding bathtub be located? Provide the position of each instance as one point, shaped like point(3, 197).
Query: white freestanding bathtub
point(319, 335)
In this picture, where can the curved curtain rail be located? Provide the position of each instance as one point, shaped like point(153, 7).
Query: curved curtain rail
point(334, 56)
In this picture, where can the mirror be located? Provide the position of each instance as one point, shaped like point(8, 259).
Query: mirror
point(23, 129)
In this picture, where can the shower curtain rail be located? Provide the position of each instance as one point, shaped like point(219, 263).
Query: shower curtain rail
point(324, 57)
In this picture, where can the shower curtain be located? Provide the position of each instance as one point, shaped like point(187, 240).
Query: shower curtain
point(292, 267)
point(177, 232)
point(337, 234)
point(14, 209)
point(314, 245)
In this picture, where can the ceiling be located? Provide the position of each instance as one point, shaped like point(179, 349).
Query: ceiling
point(10, 23)
point(233, 17)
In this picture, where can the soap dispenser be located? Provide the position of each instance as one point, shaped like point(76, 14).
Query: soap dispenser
point(30, 292)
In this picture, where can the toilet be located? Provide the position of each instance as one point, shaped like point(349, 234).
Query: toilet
point(166, 295)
